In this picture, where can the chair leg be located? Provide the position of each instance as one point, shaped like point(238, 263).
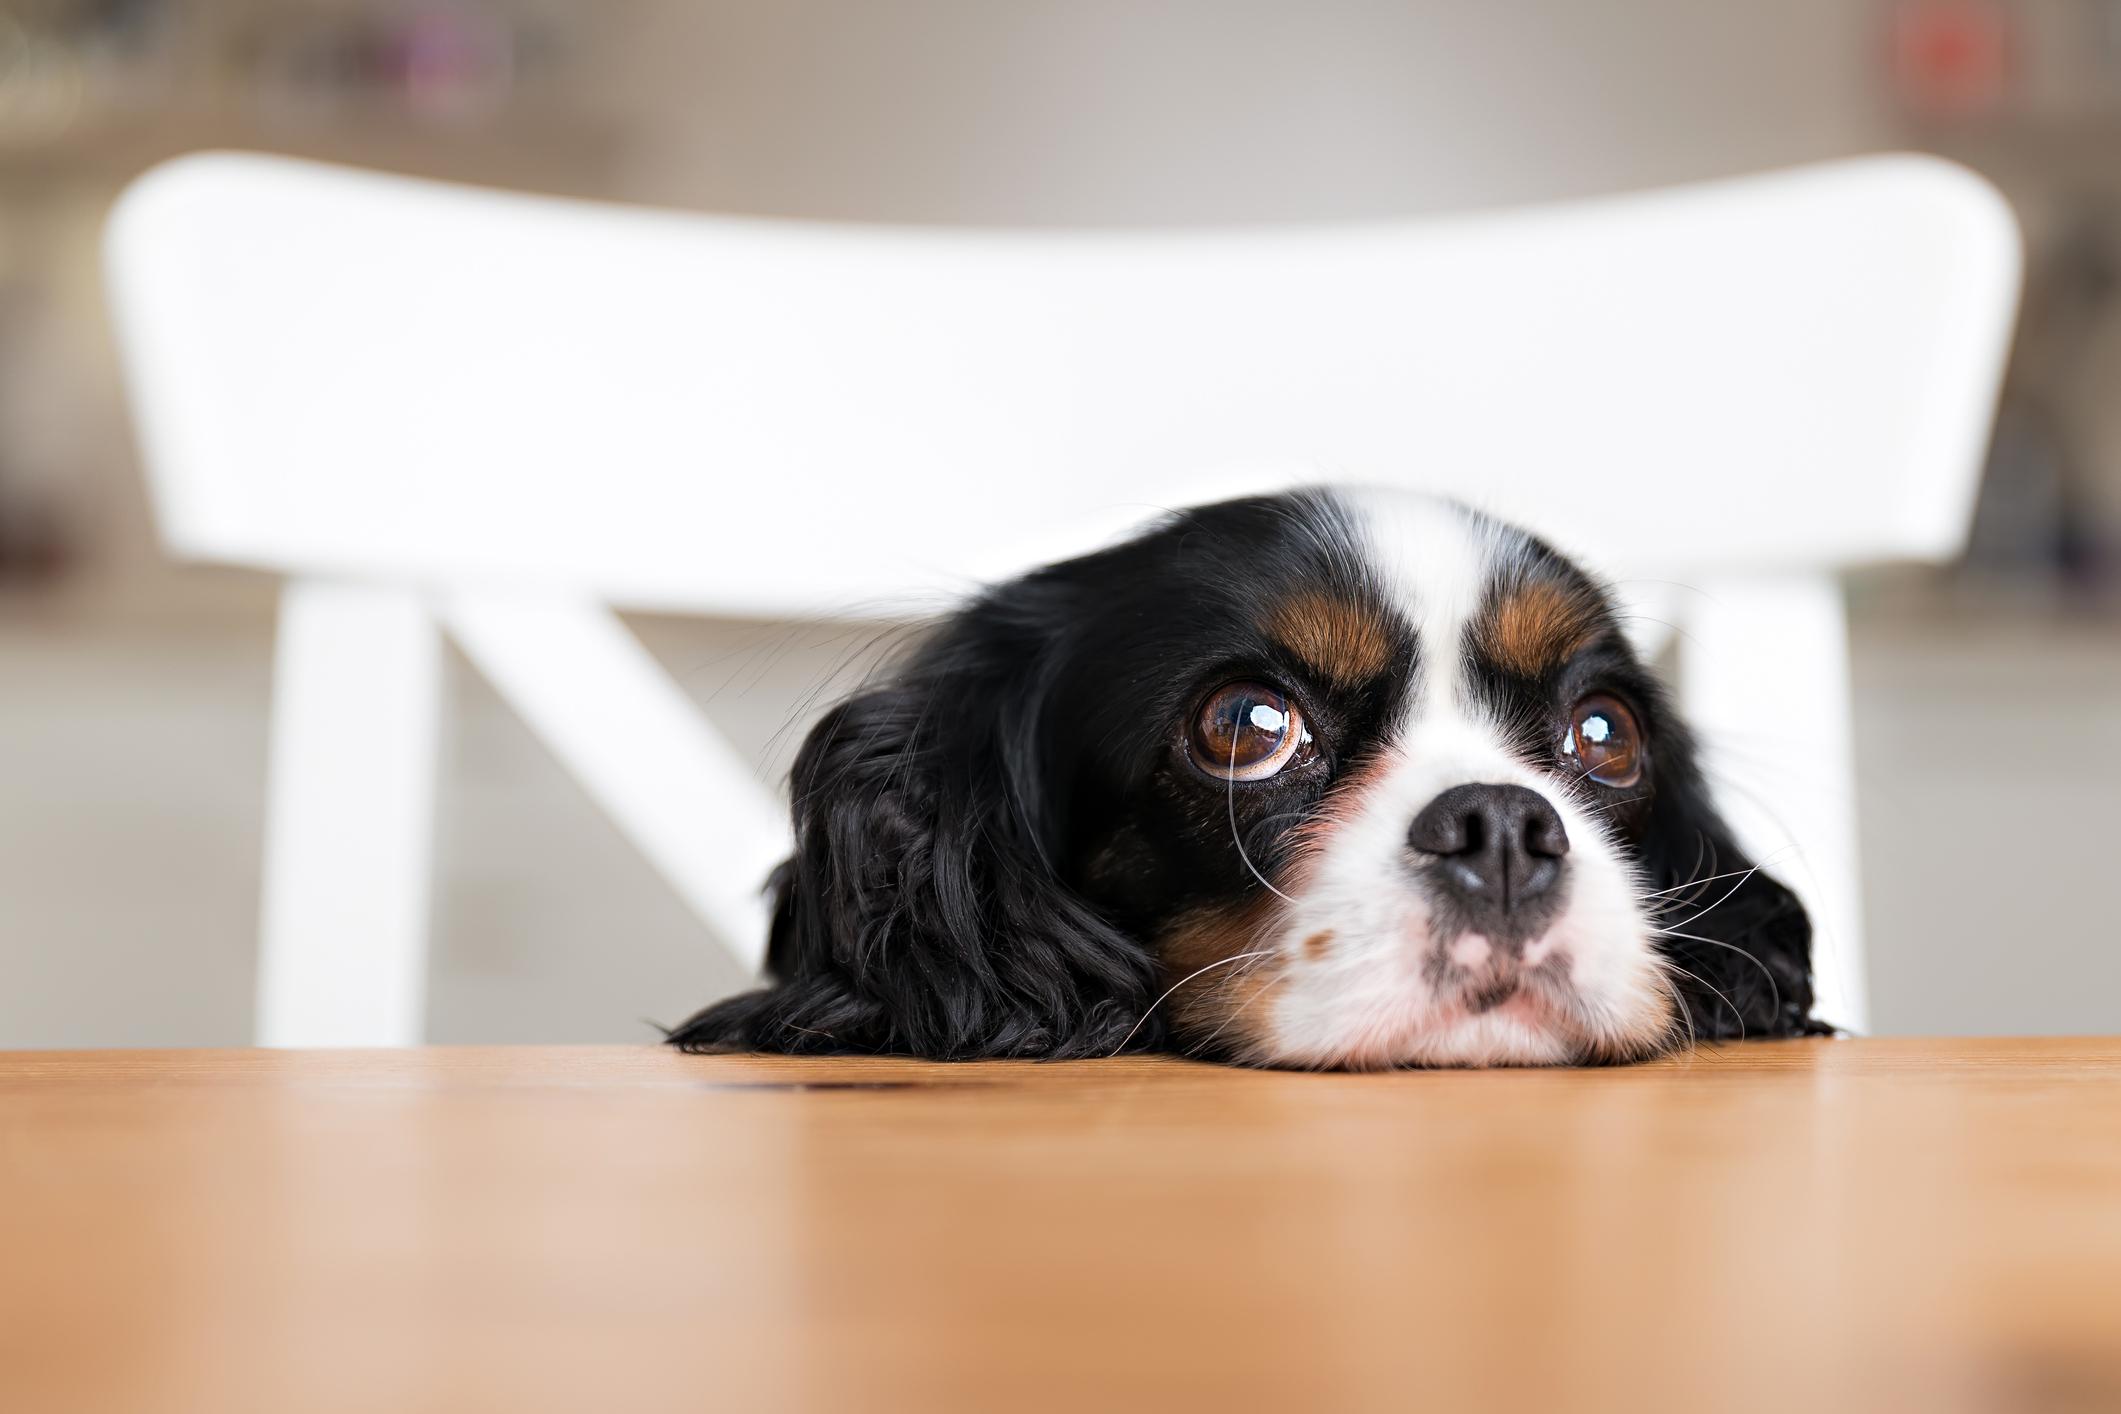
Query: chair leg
point(1765, 682)
point(349, 819)
point(614, 718)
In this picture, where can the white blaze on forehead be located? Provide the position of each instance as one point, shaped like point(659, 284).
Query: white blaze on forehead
point(1433, 560)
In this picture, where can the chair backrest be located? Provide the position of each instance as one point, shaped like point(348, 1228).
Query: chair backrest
point(480, 401)
point(369, 375)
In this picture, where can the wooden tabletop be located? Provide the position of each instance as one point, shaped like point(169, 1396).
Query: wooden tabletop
point(1837, 1224)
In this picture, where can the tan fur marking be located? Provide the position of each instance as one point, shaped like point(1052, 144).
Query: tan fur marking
point(1315, 946)
point(1222, 1000)
point(1343, 640)
point(1537, 627)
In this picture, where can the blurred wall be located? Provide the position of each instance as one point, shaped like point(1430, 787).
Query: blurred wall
point(1191, 110)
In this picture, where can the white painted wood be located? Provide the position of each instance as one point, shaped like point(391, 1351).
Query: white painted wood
point(686, 798)
point(378, 376)
point(1764, 680)
point(530, 406)
point(350, 818)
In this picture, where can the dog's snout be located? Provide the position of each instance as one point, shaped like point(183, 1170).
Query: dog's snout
point(1495, 849)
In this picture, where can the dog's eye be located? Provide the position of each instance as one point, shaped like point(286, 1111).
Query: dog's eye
point(1604, 741)
point(1246, 731)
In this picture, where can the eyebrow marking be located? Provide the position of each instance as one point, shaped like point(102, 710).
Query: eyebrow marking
point(1535, 626)
point(1336, 637)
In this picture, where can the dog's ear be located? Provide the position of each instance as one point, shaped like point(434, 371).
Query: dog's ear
point(1742, 940)
point(922, 913)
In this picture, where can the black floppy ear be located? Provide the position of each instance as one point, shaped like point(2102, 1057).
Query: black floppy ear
point(921, 913)
point(1743, 937)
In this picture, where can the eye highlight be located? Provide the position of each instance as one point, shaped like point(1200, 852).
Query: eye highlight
point(1604, 740)
point(1247, 731)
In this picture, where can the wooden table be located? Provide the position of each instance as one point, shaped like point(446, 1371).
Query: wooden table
point(1873, 1225)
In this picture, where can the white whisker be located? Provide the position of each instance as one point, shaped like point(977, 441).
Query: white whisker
point(1697, 883)
point(1773, 989)
point(1201, 1047)
point(1736, 1015)
point(1219, 962)
point(1723, 899)
point(1230, 796)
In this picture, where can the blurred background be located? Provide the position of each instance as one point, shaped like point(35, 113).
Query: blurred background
point(133, 696)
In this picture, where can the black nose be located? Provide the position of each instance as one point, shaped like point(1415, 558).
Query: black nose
point(1496, 851)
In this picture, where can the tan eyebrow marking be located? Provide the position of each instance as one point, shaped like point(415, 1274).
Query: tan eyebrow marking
point(1537, 626)
point(1338, 638)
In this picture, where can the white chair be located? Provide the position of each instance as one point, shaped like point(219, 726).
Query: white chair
point(503, 416)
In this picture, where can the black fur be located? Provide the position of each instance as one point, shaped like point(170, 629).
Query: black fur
point(922, 913)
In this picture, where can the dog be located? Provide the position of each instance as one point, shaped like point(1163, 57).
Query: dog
point(1332, 778)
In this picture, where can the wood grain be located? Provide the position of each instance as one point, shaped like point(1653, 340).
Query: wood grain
point(1843, 1224)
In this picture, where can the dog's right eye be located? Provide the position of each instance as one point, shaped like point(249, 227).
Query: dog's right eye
point(1247, 731)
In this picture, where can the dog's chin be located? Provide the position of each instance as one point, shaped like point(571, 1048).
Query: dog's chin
point(1493, 1018)
point(1515, 1035)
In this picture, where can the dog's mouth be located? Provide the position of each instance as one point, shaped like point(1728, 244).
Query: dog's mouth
point(1490, 993)
point(1475, 975)
point(1476, 1004)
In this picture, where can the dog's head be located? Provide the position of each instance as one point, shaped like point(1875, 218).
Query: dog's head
point(1324, 779)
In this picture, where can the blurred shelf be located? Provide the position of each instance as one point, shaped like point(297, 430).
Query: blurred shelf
point(483, 90)
point(549, 153)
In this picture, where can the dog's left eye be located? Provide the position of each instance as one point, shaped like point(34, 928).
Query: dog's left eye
point(1604, 741)
point(1247, 731)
